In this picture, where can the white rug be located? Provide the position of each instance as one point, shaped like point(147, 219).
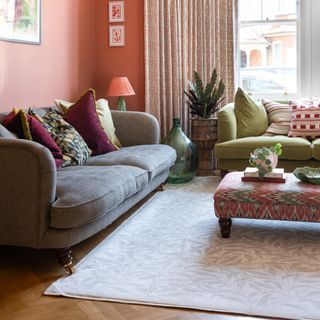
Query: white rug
point(170, 253)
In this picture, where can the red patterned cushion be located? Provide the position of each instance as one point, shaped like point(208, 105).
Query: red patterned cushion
point(305, 120)
point(83, 116)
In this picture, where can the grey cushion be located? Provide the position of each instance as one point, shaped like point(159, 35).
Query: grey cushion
point(5, 133)
point(88, 193)
point(153, 158)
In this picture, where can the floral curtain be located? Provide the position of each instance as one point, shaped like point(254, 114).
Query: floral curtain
point(182, 36)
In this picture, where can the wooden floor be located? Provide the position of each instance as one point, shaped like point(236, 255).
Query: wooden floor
point(26, 273)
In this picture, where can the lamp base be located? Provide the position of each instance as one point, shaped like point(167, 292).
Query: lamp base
point(121, 104)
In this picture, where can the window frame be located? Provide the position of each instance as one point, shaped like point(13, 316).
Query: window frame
point(285, 95)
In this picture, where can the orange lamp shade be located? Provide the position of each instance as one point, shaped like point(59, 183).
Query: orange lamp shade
point(120, 87)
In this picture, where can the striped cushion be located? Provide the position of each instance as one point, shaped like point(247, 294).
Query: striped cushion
point(305, 121)
point(279, 118)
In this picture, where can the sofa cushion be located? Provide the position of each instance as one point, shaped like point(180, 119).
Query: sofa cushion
point(27, 127)
point(87, 193)
point(316, 149)
point(154, 158)
point(252, 119)
point(305, 121)
point(16, 122)
point(293, 148)
point(104, 114)
point(82, 115)
point(279, 115)
point(74, 148)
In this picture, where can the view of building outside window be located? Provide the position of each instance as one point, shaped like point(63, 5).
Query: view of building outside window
point(268, 46)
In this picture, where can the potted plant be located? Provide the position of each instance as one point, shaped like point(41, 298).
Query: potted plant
point(203, 102)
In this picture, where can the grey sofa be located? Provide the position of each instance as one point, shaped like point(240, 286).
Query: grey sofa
point(41, 207)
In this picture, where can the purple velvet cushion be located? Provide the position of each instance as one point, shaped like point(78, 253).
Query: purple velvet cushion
point(13, 123)
point(41, 135)
point(83, 117)
point(26, 127)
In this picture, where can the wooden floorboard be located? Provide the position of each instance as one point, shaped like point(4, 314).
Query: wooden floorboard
point(26, 273)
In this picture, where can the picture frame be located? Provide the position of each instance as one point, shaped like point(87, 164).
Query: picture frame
point(116, 11)
point(20, 21)
point(116, 36)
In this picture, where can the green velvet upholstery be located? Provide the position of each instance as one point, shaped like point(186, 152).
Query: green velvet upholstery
point(232, 153)
point(252, 118)
point(227, 123)
point(293, 148)
point(288, 165)
point(316, 150)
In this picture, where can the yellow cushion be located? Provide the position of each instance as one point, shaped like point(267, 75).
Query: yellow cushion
point(106, 121)
point(105, 117)
point(63, 105)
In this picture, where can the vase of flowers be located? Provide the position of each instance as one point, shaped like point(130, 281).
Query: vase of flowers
point(265, 159)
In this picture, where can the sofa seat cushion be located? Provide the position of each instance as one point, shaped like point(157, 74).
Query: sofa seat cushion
point(155, 158)
point(86, 193)
point(316, 149)
point(293, 148)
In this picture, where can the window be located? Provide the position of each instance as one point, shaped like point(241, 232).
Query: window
point(268, 40)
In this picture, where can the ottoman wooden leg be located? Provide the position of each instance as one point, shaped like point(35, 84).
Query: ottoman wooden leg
point(65, 259)
point(225, 227)
point(161, 187)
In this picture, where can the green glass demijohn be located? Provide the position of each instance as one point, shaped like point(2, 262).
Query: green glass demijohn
point(186, 164)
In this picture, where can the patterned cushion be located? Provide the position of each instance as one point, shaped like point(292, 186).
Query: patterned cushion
point(279, 118)
point(305, 102)
point(75, 150)
point(82, 115)
point(305, 121)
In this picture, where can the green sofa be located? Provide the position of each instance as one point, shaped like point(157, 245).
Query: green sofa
point(232, 153)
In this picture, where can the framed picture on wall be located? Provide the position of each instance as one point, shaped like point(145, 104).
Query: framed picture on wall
point(116, 36)
point(116, 11)
point(20, 21)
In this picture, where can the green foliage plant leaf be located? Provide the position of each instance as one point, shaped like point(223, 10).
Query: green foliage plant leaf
point(204, 101)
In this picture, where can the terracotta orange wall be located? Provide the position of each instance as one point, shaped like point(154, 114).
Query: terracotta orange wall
point(61, 67)
point(121, 61)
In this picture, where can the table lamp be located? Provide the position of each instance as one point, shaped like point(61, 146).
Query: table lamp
point(120, 87)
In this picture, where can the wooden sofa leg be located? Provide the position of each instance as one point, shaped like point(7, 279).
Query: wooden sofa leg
point(225, 227)
point(161, 187)
point(223, 173)
point(65, 259)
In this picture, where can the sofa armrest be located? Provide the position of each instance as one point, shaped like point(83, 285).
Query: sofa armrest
point(27, 190)
point(227, 123)
point(136, 128)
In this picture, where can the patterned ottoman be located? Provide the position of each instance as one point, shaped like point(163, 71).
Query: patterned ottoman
point(292, 201)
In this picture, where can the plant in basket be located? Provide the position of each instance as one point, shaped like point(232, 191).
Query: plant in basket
point(203, 101)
